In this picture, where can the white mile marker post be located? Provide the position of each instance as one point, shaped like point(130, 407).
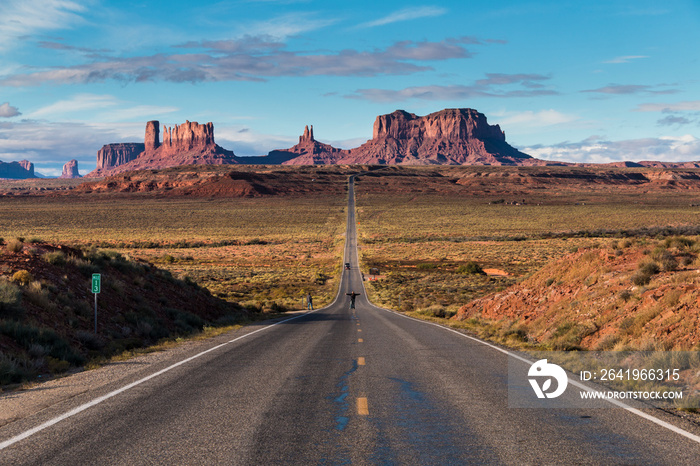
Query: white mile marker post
point(96, 288)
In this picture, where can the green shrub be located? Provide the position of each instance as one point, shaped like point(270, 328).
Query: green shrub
point(470, 268)
point(426, 266)
point(640, 278)
point(649, 268)
point(90, 340)
point(28, 335)
point(12, 370)
point(14, 245)
point(55, 258)
point(10, 298)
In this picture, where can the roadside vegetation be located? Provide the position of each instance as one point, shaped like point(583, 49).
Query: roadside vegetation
point(421, 241)
point(47, 308)
point(265, 253)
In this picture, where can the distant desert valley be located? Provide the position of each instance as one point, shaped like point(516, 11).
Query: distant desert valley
point(455, 226)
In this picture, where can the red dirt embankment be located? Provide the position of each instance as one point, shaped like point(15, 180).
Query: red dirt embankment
point(589, 299)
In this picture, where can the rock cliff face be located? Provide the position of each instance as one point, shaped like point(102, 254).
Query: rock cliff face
point(27, 165)
point(112, 155)
point(187, 137)
point(186, 144)
point(70, 170)
point(17, 170)
point(459, 136)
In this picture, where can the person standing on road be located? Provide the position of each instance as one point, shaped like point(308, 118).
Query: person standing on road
point(309, 302)
point(352, 295)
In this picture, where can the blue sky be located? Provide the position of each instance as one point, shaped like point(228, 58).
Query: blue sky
point(592, 81)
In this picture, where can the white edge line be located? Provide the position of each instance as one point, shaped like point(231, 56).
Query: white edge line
point(617, 403)
point(116, 392)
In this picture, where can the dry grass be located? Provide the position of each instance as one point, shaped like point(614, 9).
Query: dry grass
point(265, 253)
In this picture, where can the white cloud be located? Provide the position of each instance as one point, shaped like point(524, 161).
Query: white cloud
point(24, 17)
point(8, 111)
point(625, 58)
point(405, 14)
point(598, 150)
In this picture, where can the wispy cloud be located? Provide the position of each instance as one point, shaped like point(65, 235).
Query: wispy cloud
point(685, 106)
point(629, 89)
point(540, 118)
point(250, 59)
point(77, 103)
point(20, 18)
point(405, 14)
point(494, 85)
point(287, 25)
point(8, 111)
point(625, 59)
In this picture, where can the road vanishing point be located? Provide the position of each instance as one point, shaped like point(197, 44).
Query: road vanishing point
point(335, 386)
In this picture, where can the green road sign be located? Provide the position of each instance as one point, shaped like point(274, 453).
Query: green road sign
point(96, 283)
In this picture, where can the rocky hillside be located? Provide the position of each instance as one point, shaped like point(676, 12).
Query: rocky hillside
point(47, 308)
point(632, 294)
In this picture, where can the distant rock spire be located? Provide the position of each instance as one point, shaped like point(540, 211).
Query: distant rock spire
point(308, 135)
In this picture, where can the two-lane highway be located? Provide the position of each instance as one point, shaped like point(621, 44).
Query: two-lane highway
point(335, 386)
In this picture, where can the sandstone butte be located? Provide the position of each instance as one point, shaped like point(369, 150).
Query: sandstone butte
point(17, 170)
point(460, 136)
point(451, 136)
point(70, 170)
point(448, 137)
point(186, 144)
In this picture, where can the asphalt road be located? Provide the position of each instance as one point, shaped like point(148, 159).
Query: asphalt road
point(336, 386)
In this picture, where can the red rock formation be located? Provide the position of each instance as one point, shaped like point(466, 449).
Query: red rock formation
point(27, 165)
point(308, 152)
point(112, 155)
point(17, 170)
point(70, 170)
point(152, 140)
point(187, 136)
point(459, 136)
point(186, 144)
point(307, 136)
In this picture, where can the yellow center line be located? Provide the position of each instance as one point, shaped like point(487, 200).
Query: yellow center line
point(362, 409)
point(359, 329)
point(360, 361)
point(360, 340)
